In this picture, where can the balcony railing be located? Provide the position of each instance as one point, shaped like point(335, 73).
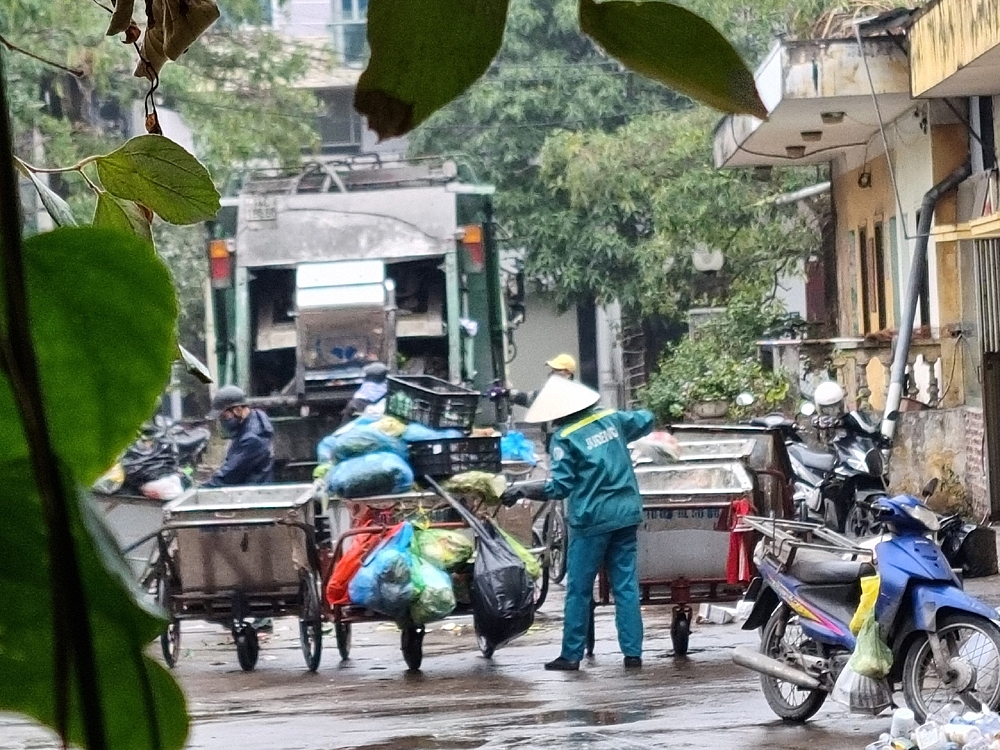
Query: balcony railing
point(861, 366)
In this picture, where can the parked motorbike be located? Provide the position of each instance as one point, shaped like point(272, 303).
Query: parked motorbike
point(828, 483)
point(945, 643)
point(162, 449)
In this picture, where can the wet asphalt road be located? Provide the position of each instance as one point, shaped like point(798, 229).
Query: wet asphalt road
point(460, 700)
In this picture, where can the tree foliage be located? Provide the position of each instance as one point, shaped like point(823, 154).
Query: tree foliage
point(635, 203)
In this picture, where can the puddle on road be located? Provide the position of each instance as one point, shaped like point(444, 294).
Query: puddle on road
point(590, 717)
point(422, 742)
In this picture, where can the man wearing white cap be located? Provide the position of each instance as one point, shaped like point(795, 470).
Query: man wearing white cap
point(592, 468)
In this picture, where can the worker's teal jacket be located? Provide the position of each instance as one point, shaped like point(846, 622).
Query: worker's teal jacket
point(592, 470)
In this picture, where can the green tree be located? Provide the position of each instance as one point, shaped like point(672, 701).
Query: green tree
point(634, 203)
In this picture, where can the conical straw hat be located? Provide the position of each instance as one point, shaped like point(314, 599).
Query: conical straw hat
point(559, 398)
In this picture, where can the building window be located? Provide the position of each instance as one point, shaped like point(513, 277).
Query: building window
point(878, 242)
point(340, 126)
point(350, 30)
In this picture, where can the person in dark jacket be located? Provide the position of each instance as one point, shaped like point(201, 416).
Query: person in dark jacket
point(372, 390)
point(592, 469)
point(250, 459)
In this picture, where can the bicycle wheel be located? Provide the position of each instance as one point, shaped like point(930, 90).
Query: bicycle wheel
point(554, 534)
point(541, 585)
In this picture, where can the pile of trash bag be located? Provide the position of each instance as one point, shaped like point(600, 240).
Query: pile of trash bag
point(417, 575)
point(951, 726)
point(368, 456)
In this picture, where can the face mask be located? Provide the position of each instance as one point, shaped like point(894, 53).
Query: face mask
point(230, 426)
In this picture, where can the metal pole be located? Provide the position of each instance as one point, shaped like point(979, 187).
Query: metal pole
point(497, 344)
point(918, 266)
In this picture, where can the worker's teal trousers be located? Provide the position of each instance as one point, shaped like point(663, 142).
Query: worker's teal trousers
point(618, 552)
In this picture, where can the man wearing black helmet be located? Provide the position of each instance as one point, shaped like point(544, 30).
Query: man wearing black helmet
point(250, 459)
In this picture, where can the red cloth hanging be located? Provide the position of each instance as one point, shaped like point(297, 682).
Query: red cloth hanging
point(739, 565)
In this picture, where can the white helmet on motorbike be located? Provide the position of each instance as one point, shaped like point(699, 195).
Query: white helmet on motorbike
point(829, 399)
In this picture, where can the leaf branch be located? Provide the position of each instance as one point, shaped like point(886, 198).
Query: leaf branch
point(73, 642)
point(76, 72)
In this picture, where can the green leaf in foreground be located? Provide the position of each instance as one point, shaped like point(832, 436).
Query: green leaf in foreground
point(58, 209)
point(121, 630)
point(156, 172)
point(423, 55)
point(125, 216)
point(103, 312)
point(674, 46)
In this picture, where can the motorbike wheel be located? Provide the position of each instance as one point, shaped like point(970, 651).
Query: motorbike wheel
point(860, 523)
point(974, 645)
point(782, 639)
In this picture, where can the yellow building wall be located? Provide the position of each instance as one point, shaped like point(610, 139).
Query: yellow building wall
point(858, 207)
point(947, 37)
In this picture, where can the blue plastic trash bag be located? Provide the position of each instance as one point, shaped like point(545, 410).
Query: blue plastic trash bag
point(360, 442)
point(324, 451)
point(375, 474)
point(415, 432)
point(436, 597)
point(385, 581)
point(514, 446)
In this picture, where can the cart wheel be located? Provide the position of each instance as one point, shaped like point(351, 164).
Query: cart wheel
point(310, 622)
point(342, 630)
point(412, 645)
point(170, 639)
point(591, 629)
point(680, 631)
point(247, 647)
point(541, 586)
point(554, 532)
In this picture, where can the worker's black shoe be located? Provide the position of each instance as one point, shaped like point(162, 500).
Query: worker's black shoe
point(562, 665)
point(633, 662)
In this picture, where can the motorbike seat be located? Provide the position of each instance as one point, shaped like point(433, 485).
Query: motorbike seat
point(828, 569)
point(190, 438)
point(772, 421)
point(818, 460)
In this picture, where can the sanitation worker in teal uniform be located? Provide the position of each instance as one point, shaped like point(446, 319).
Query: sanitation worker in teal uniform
point(592, 469)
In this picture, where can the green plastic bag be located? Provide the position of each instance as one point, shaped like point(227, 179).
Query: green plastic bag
point(436, 599)
point(443, 548)
point(531, 563)
point(871, 657)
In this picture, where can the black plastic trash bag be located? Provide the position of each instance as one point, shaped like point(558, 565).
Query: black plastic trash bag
point(503, 593)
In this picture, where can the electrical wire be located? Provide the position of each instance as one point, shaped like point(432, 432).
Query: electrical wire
point(785, 157)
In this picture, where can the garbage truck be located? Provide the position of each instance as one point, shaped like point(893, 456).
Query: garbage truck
point(318, 272)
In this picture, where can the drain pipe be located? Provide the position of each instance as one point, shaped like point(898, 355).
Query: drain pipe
point(918, 265)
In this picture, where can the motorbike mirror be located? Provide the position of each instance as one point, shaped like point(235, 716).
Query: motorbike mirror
point(195, 366)
point(745, 399)
point(930, 488)
point(807, 408)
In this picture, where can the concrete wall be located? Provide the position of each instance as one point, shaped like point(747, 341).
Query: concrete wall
point(544, 334)
point(947, 444)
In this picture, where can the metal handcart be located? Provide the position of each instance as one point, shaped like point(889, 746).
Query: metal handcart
point(388, 510)
point(232, 555)
point(689, 517)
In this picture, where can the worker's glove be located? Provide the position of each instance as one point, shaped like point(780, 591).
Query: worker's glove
point(321, 471)
point(496, 392)
point(521, 491)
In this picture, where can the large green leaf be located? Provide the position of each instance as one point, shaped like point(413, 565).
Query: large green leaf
point(120, 628)
point(423, 55)
point(125, 216)
point(156, 172)
point(676, 47)
point(103, 312)
point(58, 209)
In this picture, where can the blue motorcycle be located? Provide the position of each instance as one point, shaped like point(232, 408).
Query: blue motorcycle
point(945, 643)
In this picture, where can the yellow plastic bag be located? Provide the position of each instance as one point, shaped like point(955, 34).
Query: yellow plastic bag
point(869, 593)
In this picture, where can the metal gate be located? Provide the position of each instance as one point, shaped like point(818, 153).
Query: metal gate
point(987, 255)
